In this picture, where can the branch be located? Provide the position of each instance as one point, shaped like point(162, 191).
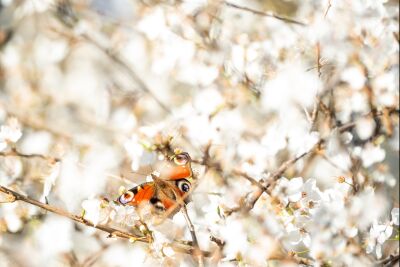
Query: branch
point(266, 186)
point(249, 178)
point(389, 261)
point(117, 60)
point(197, 251)
point(377, 114)
point(67, 15)
point(113, 232)
point(265, 14)
point(14, 152)
point(277, 174)
point(328, 8)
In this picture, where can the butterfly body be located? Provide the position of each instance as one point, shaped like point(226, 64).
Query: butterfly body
point(166, 192)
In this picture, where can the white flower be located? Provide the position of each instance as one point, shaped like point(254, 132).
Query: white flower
point(11, 169)
point(135, 151)
point(372, 154)
point(299, 235)
point(273, 140)
point(207, 101)
point(291, 86)
point(395, 216)
point(235, 236)
point(365, 127)
point(168, 251)
point(11, 217)
point(95, 211)
point(54, 236)
point(354, 77)
point(10, 132)
point(378, 234)
point(50, 180)
point(289, 190)
point(153, 25)
point(311, 195)
point(308, 142)
point(159, 242)
point(124, 215)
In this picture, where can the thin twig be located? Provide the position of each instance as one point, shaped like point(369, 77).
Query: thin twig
point(14, 152)
point(265, 14)
point(113, 232)
point(389, 261)
point(91, 260)
point(34, 124)
point(197, 251)
point(249, 178)
point(267, 185)
point(328, 8)
point(142, 85)
point(319, 65)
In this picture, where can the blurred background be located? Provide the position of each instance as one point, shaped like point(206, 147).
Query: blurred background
point(91, 91)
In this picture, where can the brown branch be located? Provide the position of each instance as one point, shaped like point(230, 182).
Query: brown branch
point(389, 261)
point(196, 246)
point(328, 8)
point(319, 65)
point(34, 123)
point(65, 11)
point(267, 185)
point(265, 14)
point(91, 260)
point(15, 153)
point(377, 114)
point(117, 60)
point(249, 178)
point(113, 232)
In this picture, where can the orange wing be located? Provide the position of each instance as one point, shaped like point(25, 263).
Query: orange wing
point(143, 192)
point(176, 172)
point(168, 203)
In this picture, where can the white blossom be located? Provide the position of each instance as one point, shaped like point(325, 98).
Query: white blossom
point(50, 180)
point(96, 211)
point(10, 132)
point(293, 131)
point(395, 216)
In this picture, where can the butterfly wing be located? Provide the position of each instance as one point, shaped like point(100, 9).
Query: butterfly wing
point(137, 195)
point(163, 192)
point(178, 168)
point(160, 196)
point(176, 172)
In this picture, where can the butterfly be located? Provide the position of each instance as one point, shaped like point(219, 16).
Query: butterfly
point(167, 191)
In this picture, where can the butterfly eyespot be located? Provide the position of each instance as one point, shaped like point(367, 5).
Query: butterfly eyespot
point(182, 159)
point(126, 197)
point(184, 185)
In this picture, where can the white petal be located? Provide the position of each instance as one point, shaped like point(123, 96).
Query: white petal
point(92, 210)
point(395, 216)
point(295, 184)
point(295, 197)
point(351, 232)
point(3, 145)
point(370, 247)
point(388, 232)
point(294, 237)
point(168, 251)
point(378, 251)
point(307, 240)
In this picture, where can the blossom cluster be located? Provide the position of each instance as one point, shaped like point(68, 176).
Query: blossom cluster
point(289, 111)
